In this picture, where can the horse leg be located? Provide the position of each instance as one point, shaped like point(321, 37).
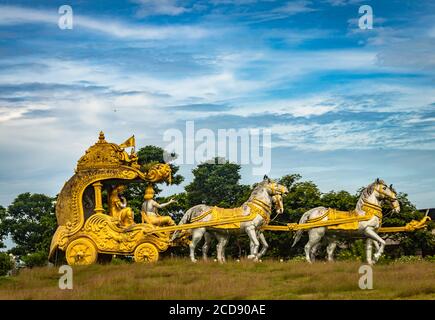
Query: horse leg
point(223, 246)
point(196, 237)
point(307, 250)
point(376, 244)
point(255, 244)
point(378, 248)
point(219, 248)
point(251, 245)
point(222, 242)
point(314, 237)
point(369, 249)
point(374, 236)
point(330, 250)
point(206, 245)
point(264, 244)
point(314, 251)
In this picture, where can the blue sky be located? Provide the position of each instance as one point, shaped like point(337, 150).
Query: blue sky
point(345, 105)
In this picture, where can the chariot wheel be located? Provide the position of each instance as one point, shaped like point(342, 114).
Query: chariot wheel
point(81, 251)
point(146, 252)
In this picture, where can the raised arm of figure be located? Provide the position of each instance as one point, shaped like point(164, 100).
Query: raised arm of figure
point(160, 206)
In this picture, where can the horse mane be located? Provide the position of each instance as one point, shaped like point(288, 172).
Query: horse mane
point(256, 189)
point(367, 192)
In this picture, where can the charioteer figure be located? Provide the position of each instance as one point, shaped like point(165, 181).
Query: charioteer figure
point(150, 210)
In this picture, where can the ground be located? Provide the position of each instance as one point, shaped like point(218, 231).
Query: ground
point(181, 279)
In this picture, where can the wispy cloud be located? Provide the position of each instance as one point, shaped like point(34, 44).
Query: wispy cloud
point(13, 15)
point(160, 7)
point(284, 11)
point(340, 3)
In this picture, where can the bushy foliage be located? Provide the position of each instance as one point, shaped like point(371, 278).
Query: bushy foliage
point(3, 231)
point(6, 263)
point(355, 251)
point(216, 184)
point(31, 222)
point(148, 156)
point(36, 259)
point(407, 259)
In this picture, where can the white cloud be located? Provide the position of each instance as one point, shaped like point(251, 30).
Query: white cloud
point(319, 104)
point(341, 3)
point(13, 15)
point(7, 114)
point(339, 135)
point(160, 7)
point(295, 7)
point(289, 9)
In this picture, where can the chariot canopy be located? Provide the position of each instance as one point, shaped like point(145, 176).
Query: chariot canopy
point(104, 166)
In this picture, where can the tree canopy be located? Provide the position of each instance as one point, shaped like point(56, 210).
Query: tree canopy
point(3, 231)
point(149, 155)
point(31, 222)
point(217, 184)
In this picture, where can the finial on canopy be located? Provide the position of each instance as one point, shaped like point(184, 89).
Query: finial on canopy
point(101, 138)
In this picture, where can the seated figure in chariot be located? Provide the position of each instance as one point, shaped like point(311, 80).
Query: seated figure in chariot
point(123, 215)
point(150, 210)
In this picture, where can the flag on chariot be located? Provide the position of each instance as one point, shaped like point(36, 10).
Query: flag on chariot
point(130, 142)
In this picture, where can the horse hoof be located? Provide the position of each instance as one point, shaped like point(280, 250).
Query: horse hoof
point(251, 257)
point(194, 260)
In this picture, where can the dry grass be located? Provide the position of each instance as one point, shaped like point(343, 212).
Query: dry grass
point(180, 279)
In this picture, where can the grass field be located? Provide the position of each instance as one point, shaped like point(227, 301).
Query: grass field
point(180, 279)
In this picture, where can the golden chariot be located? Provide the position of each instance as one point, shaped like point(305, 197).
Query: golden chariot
point(86, 231)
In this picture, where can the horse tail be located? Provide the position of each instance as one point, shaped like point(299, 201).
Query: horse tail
point(185, 219)
point(298, 234)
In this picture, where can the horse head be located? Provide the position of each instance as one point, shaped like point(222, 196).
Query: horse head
point(278, 203)
point(276, 192)
point(386, 193)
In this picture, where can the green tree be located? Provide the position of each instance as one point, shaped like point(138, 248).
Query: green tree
point(148, 156)
point(341, 200)
point(153, 154)
point(3, 231)
point(420, 241)
point(31, 222)
point(176, 209)
point(6, 264)
point(217, 184)
point(289, 180)
point(302, 196)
